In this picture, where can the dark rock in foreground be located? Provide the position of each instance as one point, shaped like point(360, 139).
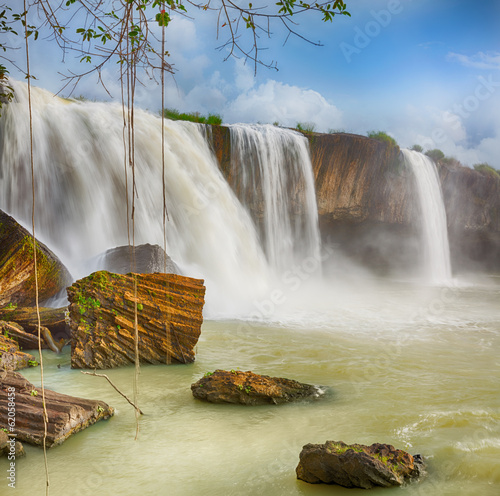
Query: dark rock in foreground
point(247, 388)
point(17, 281)
point(143, 259)
point(357, 465)
point(66, 414)
point(102, 315)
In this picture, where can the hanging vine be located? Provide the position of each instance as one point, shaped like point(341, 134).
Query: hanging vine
point(35, 261)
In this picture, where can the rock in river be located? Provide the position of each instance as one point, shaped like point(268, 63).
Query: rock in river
point(66, 414)
point(357, 465)
point(247, 388)
point(102, 319)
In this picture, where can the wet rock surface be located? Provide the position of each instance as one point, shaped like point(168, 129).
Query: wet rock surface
point(143, 259)
point(247, 388)
point(17, 281)
point(66, 414)
point(357, 465)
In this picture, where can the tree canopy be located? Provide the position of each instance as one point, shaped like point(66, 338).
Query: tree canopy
point(126, 31)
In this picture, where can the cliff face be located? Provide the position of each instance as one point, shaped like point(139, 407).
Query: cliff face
point(369, 210)
point(472, 202)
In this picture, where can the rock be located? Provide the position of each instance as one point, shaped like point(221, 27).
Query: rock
point(17, 282)
point(11, 357)
point(66, 414)
point(247, 388)
point(357, 465)
point(24, 339)
point(101, 313)
point(9, 446)
point(148, 259)
point(54, 319)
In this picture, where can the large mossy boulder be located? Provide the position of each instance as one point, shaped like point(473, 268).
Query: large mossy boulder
point(247, 388)
point(17, 273)
point(357, 465)
point(102, 314)
point(66, 414)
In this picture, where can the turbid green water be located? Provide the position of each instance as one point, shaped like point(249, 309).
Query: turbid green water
point(417, 368)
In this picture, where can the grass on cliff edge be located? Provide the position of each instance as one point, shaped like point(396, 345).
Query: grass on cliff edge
point(382, 136)
point(175, 115)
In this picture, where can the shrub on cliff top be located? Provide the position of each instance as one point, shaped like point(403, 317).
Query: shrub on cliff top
point(435, 154)
point(486, 169)
point(417, 148)
point(382, 136)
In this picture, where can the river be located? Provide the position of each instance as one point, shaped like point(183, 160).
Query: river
point(412, 366)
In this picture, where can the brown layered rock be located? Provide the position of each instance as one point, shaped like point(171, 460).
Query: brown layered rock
point(66, 414)
point(54, 319)
point(102, 315)
point(247, 388)
point(144, 259)
point(29, 340)
point(357, 465)
point(17, 274)
point(11, 357)
point(25, 340)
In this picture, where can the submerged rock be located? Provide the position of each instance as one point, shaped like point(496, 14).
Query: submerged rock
point(102, 314)
point(247, 388)
point(11, 357)
point(66, 414)
point(143, 259)
point(17, 281)
point(357, 465)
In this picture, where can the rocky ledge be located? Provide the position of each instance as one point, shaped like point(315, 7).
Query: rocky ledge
point(357, 465)
point(66, 414)
point(247, 388)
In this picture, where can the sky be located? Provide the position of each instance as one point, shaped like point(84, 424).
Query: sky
point(426, 72)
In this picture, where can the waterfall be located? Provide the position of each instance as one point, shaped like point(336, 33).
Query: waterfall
point(271, 173)
point(81, 193)
point(433, 217)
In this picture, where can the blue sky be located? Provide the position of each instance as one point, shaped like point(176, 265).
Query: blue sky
point(426, 72)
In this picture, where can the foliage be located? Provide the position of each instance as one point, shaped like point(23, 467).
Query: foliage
point(486, 168)
point(175, 115)
point(435, 154)
point(417, 148)
point(122, 32)
point(382, 136)
point(306, 127)
point(336, 131)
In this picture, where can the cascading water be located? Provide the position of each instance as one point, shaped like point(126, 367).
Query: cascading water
point(433, 217)
point(80, 186)
point(272, 176)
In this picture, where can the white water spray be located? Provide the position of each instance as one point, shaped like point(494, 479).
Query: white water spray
point(433, 217)
point(272, 176)
point(81, 194)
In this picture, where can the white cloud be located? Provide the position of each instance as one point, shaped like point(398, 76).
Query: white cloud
point(479, 60)
point(274, 101)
